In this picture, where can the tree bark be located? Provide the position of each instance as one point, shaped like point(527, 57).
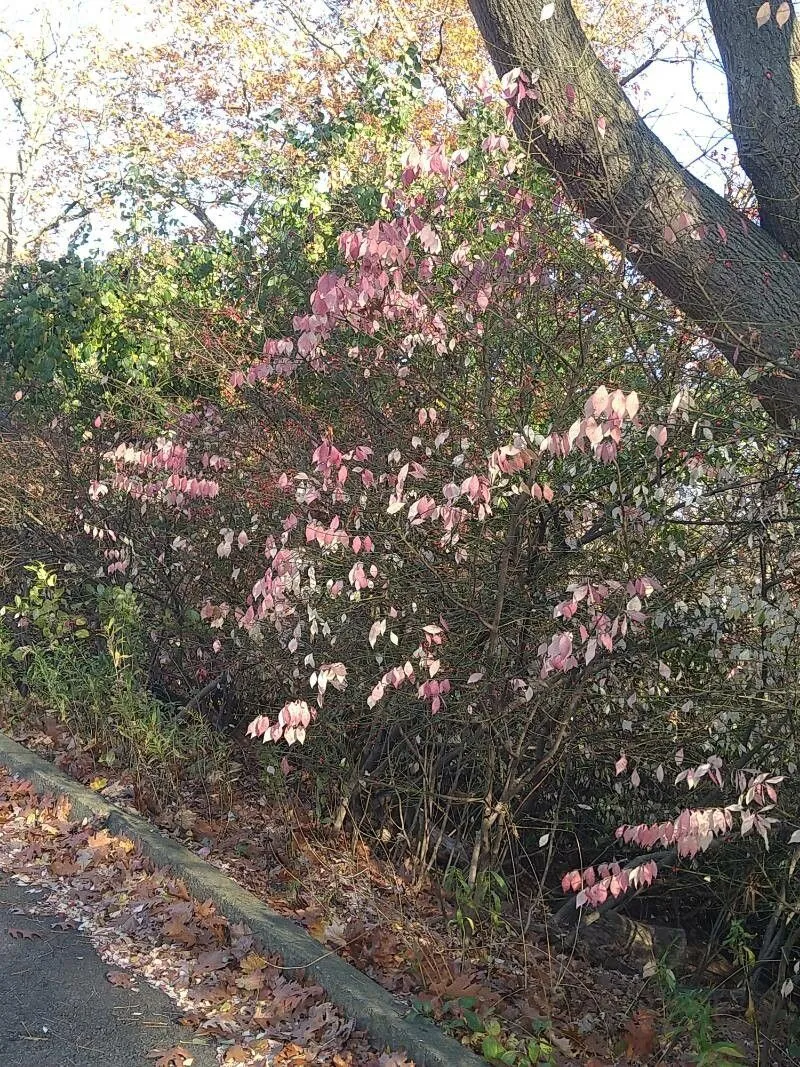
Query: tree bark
point(762, 64)
point(733, 278)
point(624, 944)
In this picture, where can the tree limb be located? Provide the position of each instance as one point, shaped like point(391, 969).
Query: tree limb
point(730, 276)
point(762, 65)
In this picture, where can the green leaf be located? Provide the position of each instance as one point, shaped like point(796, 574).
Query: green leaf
point(727, 1048)
point(473, 1022)
point(491, 1048)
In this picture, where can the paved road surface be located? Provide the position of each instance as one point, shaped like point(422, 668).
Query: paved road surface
point(58, 1010)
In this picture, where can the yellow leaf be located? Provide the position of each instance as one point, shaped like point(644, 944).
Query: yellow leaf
point(253, 962)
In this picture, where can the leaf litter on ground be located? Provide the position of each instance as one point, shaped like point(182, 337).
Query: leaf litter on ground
point(397, 932)
point(145, 925)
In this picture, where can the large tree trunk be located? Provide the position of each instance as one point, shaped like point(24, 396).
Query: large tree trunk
point(735, 279)
point(762, 64)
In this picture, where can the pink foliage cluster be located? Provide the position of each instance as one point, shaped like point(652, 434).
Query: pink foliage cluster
point(344, 525)
point(389, 274)
point(272, 595)
point(690, 834)
point(160, 473)
point(325, 488)
point(597, 630)
point(595, 886)
point(601, 427)
point(516, 86)
point(295, 717)
point(291, 724)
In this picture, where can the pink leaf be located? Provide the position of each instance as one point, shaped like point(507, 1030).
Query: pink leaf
point(378, 627)
point(659, 435)
point(621, 763)
point(570, 93)
point(669, 235)
point(783, 14)
point(430, 239)
point(601, 126)
point(763, 14)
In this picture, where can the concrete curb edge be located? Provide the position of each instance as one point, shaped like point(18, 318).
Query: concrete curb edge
point(384, 1017)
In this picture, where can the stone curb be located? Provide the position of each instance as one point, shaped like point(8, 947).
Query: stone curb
point(384, 1017)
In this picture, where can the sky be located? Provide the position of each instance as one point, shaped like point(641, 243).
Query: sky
point(687, 125)
point(666, 94)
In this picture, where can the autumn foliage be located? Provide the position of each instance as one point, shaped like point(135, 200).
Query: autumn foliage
point(411, 481)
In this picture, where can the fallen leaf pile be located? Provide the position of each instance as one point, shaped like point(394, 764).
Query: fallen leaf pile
point(359, 905)
point(145, 925)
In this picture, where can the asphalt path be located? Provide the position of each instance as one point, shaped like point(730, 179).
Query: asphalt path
point(57, 1008)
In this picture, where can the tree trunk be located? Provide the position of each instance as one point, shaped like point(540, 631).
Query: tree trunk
point(619, 943)
point(762, 64)
point(733, 278)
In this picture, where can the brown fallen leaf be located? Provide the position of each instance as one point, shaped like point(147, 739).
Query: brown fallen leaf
point(236, 1054)
point(180, 932)
point(211, 961)
point(64, 868)
point(186, 819)
point(19, 934)
point(641, 1036)
point(251, 981)
point(253, 962)
point(100, 841)
point(177, 1056)
point(120, 978)
point(563, 1044)
point(291, 1055)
